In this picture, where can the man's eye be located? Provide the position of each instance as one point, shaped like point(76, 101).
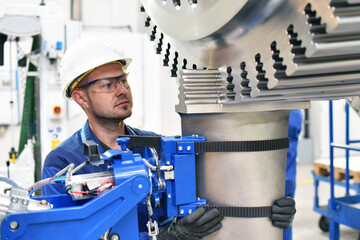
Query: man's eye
point(106, 84)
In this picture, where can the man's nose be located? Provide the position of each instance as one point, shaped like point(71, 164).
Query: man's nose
point(119, 88)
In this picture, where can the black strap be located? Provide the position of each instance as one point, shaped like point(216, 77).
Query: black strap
point(241, 212)
point(218, 146)
point(242, 146)
point(143, 141)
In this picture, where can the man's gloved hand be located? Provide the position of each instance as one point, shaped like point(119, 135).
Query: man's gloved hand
point(194, 226)
point(283, 212)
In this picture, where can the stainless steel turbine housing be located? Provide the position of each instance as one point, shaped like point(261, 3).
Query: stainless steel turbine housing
point(277, 50)
point(242, 66)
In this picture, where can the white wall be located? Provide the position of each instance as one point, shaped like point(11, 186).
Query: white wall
point(65, 4)
point(319, 127)
point(114, 14)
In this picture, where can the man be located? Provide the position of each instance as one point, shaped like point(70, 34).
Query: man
point(95, 78)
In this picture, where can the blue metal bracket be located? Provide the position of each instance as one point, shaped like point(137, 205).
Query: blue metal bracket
point(345, 212)
point(180, 152)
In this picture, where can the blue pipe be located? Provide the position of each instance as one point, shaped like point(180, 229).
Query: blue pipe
point(347, 173)
point(332, 182)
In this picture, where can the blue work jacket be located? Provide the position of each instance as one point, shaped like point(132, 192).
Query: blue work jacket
point(71, 151)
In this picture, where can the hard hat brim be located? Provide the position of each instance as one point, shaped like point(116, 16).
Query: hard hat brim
point(67, 92)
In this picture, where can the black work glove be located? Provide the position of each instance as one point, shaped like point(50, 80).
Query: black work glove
point(283, 212)
point(194, 226)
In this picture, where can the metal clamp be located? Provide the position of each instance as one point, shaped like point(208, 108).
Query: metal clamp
point(153, 229)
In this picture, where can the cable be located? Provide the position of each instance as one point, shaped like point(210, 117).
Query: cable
point(69, 169)
point(153, 168)
point(102, 184)
point(158, 174)
point(55, 180)
point(80, 166)
point(11, 93)
point(12, 153)
point(102, 187)
point(67, 178)
point(61, 172)
point(70, 172)
point(47, 181)
point(82, 192)
point(10, 181)
point(96, 191)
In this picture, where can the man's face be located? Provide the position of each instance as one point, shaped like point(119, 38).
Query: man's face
point(116, 105)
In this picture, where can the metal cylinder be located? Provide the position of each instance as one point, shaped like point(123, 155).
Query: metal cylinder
point(75, 9)
point(247, 179)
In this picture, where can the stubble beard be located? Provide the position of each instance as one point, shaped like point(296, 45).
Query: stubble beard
point(111, 118)
point(104, 118)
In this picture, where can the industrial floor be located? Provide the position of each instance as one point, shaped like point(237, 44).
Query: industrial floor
point(305, 225)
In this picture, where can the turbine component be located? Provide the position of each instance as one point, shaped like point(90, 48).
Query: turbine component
point(279, 50)
point(248, 179)
point(354, 103)
point(219, 91)
point(242, 66)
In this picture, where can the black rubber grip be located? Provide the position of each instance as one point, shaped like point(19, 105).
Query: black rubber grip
point(241, 212)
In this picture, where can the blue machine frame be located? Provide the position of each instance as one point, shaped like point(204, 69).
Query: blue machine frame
point(117, 208)
point(339, 210)
point(90, 220)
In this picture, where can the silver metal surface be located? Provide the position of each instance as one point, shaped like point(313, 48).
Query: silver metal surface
point(211, 91)
point(354, 102)
point(268, 45)
point(241, 179)
point(18, 201)
point(169, 175)
point(191, 21)
point(91, 181)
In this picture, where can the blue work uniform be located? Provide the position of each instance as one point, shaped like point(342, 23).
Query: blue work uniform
point(70, 151)
point(295, 127)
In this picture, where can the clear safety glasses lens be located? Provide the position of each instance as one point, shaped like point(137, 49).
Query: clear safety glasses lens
point(106, 85)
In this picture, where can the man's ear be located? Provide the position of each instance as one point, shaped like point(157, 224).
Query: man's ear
point(80, 98)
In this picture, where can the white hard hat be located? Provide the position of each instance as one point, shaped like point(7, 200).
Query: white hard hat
point(83, 56)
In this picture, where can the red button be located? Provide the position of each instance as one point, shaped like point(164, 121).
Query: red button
point(57, 110)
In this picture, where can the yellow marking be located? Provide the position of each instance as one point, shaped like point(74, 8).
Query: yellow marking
point(55, 143)
point(310, 180)
point(13, 158)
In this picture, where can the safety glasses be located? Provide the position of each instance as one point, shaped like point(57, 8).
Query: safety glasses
point(107, 85)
